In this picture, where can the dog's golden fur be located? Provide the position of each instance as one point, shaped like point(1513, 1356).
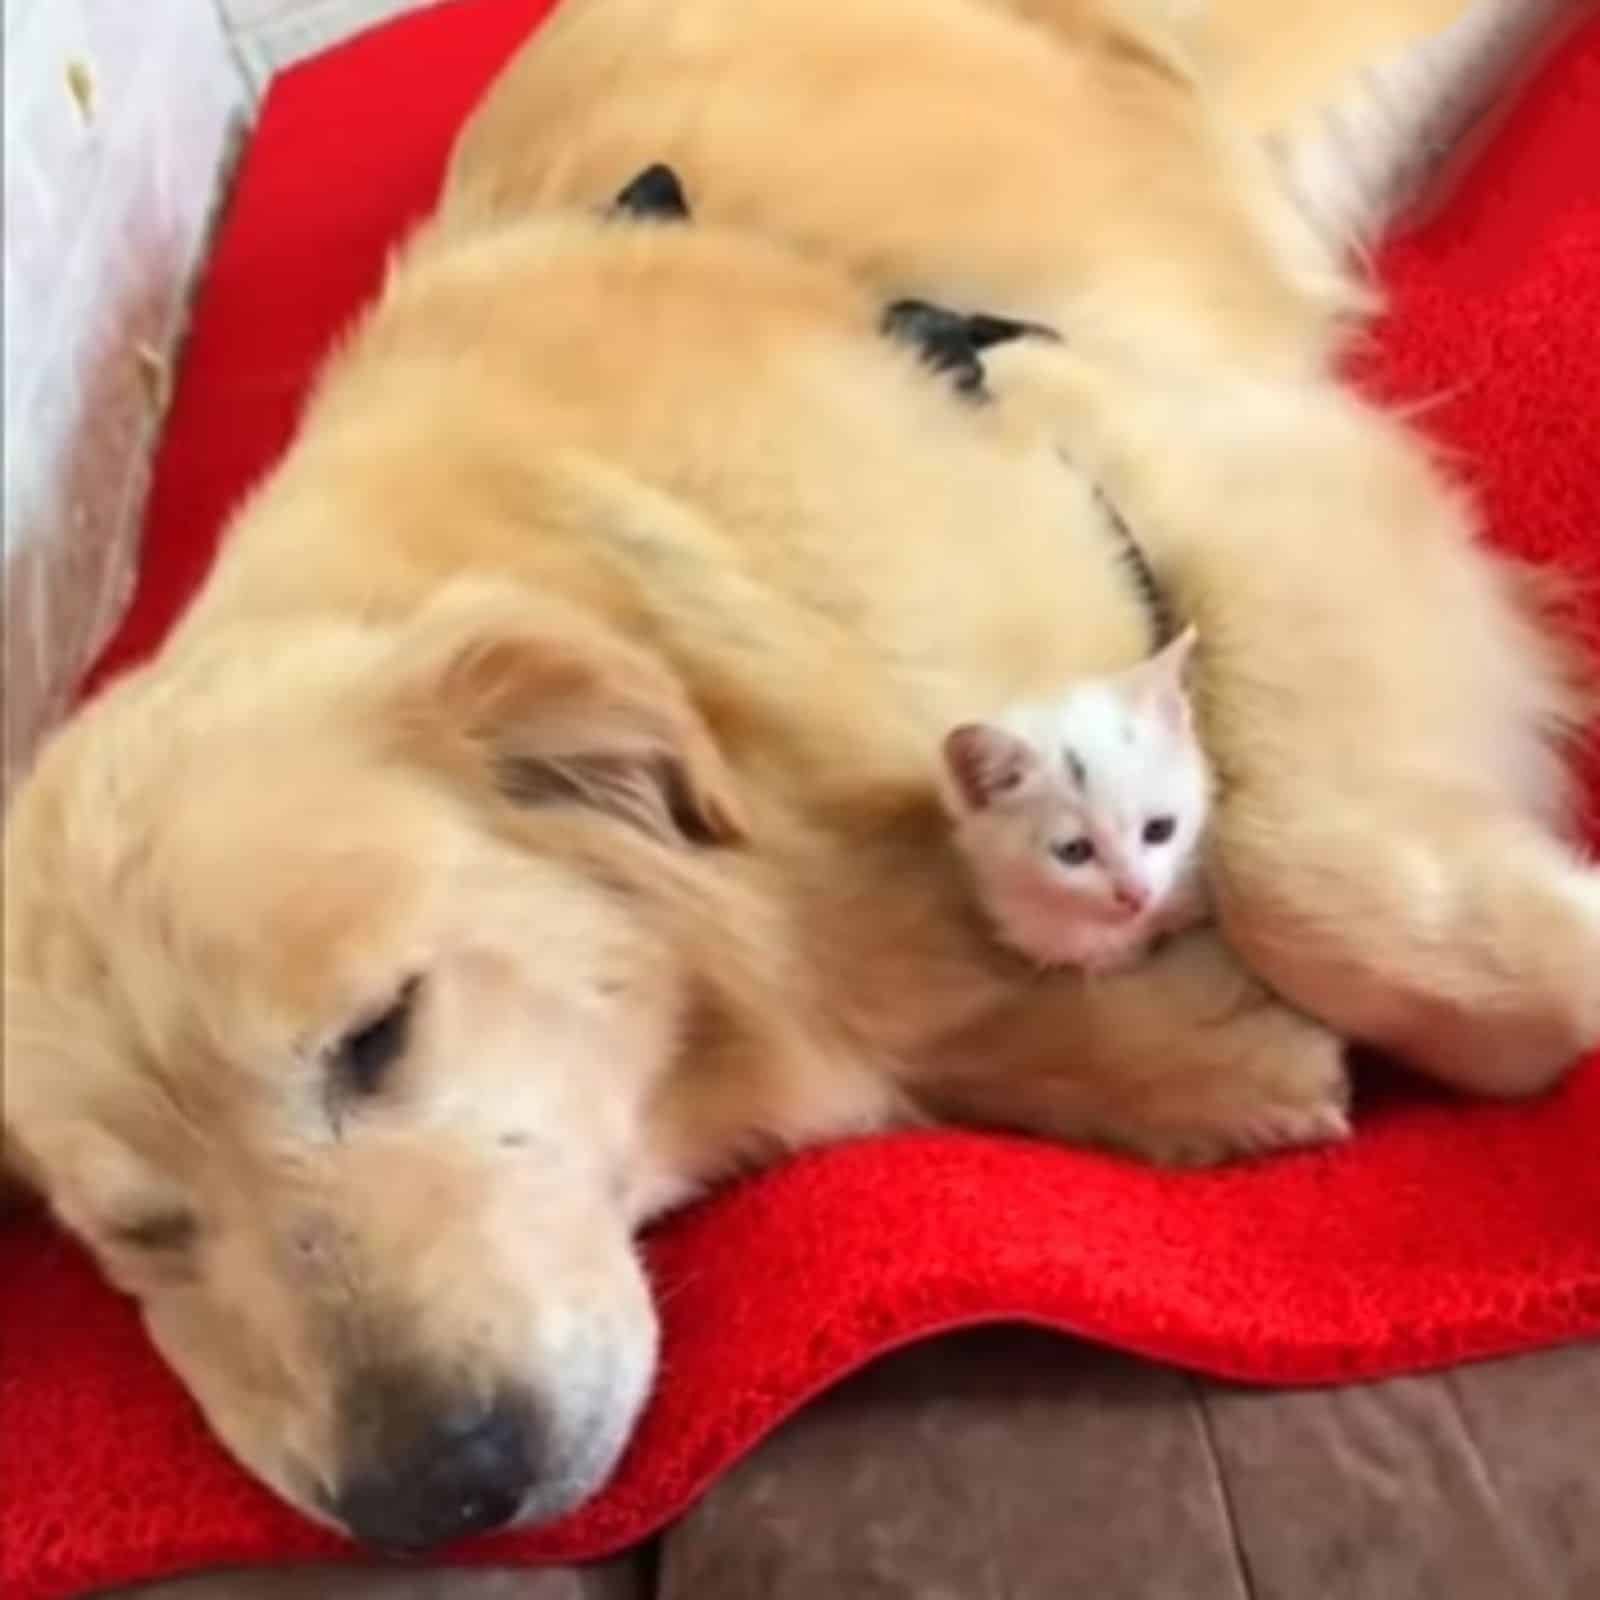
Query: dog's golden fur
point(580, 672)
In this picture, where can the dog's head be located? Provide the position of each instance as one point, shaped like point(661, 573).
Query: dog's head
point(339, 980)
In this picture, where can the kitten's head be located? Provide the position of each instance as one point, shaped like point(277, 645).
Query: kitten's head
point(1105, 791)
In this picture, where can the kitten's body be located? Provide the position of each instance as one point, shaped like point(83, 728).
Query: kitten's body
point(1080, 818)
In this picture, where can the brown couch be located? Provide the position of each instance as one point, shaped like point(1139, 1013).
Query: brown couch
point(1011, 1465)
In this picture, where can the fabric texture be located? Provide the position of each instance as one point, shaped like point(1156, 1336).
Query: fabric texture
point(1008, 1463)
point(1444, 1231)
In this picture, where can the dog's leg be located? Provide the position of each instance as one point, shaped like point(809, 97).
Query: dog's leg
point(1186, 1060)
point(1379, 707)
point(1467, 943)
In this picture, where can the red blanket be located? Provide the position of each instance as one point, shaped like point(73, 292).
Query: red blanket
point(1444, 1231)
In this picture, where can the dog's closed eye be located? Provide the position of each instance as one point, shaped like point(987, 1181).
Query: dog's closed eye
point(363, 1057)
point(164, 1231)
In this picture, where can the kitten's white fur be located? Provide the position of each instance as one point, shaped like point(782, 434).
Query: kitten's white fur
point(1085, 775)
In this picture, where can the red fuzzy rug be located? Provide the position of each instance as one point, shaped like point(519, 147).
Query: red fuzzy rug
point(1444, 1231)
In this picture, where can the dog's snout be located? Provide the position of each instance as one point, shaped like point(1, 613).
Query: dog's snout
point(464, 1472)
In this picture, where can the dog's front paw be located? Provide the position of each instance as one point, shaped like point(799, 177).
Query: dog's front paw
point(1279, 1082)
point(1294, 1128)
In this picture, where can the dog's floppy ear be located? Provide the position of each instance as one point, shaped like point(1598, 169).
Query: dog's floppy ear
point(552, 709)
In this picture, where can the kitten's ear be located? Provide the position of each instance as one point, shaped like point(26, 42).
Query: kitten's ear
point(985, 762)
point(1174, 660)
point(1163, 680)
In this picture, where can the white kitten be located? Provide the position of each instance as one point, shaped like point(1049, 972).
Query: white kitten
point(1080, 818)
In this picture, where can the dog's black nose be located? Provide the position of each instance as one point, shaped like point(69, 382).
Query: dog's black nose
point(466, 1473)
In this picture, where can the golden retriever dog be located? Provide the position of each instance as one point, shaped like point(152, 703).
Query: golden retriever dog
point(534, 818)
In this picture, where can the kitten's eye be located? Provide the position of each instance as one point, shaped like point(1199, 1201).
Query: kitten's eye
point(1159, 830)
point(366, 1053)
point(1073, 852)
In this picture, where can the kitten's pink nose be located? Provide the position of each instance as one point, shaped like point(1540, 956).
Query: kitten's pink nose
point(1132, 897)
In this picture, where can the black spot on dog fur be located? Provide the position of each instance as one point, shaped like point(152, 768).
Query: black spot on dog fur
point(656, 194)
point(950, 341)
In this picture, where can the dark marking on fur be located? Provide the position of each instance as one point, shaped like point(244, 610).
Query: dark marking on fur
point(656, 194)
point(984, 330)
point(941, 339)
point(950, 341)
point(1152, 595)
point(1079, 772)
